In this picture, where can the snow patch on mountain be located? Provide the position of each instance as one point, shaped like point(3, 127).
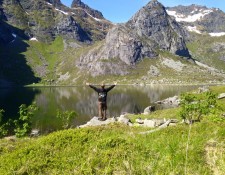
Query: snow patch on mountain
point(189, 18)
point(96, 19)
point(33, 39)
point(65, 13)
point(217, 34)
point(193, 29)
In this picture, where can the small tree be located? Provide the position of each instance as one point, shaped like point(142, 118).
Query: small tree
point(23, 125)
point(194, 107)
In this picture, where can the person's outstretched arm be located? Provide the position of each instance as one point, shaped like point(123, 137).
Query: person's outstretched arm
point(93, 87)
point(109, 88)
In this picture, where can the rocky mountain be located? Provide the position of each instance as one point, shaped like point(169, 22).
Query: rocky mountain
point(43, 41)
point(42, 21)
point(150, 29)
point(46, 19)
point(78, 4)
point(199, 19)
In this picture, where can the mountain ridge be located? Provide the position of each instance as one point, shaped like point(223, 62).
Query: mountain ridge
point(199, 19)
point(71, 45)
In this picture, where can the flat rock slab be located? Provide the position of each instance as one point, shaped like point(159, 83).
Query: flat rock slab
point(95, 122)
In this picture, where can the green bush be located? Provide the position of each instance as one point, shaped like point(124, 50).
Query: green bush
point(23, 125)
point(195, 106)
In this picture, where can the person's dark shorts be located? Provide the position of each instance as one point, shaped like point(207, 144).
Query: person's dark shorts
point(102, 106)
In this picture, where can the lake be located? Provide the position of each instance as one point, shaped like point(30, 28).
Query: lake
point(83, 100)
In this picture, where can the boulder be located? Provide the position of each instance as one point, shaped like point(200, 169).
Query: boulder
point(35, 133)
point(159, 122)
point(139, 121)
point(149, 123)
point(221, 96)
point(149, 109)
point(124, 120)
point(96, 122)
point(169, 102)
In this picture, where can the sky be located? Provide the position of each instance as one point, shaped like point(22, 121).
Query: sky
point(122, 10)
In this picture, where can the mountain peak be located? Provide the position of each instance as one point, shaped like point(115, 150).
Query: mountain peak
point(154, 3)
point(78, 3)
point(153, 22)
point(87, 9)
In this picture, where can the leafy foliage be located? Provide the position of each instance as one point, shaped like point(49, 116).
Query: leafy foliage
point(194, 107)
point(23, 125)
point(20, 127)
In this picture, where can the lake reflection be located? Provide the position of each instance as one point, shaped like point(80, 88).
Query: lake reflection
point(83, 100)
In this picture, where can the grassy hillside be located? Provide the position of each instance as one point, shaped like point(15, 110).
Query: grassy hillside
point(209, 50)
point(61, 67)
point(56, 64)
point(119, 149)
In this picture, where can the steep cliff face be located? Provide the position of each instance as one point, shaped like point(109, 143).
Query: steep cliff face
point(46, 19)
point(148, 30)
point(42, 20)
point(153, 22)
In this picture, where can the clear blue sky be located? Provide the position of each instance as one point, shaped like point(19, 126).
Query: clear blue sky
point(122, 10)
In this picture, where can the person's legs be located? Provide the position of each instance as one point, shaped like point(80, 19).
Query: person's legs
point(100, 112)
point(104, 111)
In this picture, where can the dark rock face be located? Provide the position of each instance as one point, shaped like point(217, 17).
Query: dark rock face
point(124, 44)
point(43, 19)
point(149, 29)
point(153, 22)
point(46, 19)
point(92, 12)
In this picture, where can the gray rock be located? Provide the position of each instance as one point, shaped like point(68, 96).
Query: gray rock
point(166, 124)
point(222, 95)
point(153, 22)
point(169, 102)
point(125, 45)
point(53, 19)
point(159, 122)
point(95, 122)
point(92, 12)
point(149, 109)
point(139, 121)
point(149, 123)
point(35, 133)
point(123, 119)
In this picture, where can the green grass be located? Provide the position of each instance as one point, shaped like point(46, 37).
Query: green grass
point(119, 149)
point(202, 50)
point(115, 149)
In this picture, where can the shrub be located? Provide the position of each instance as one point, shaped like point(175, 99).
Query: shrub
point(194, 107)
point(23, 125)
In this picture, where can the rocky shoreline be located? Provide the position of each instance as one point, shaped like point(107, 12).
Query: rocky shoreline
point(157, 124)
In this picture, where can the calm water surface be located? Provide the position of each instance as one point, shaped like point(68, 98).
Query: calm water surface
point(83, 100)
